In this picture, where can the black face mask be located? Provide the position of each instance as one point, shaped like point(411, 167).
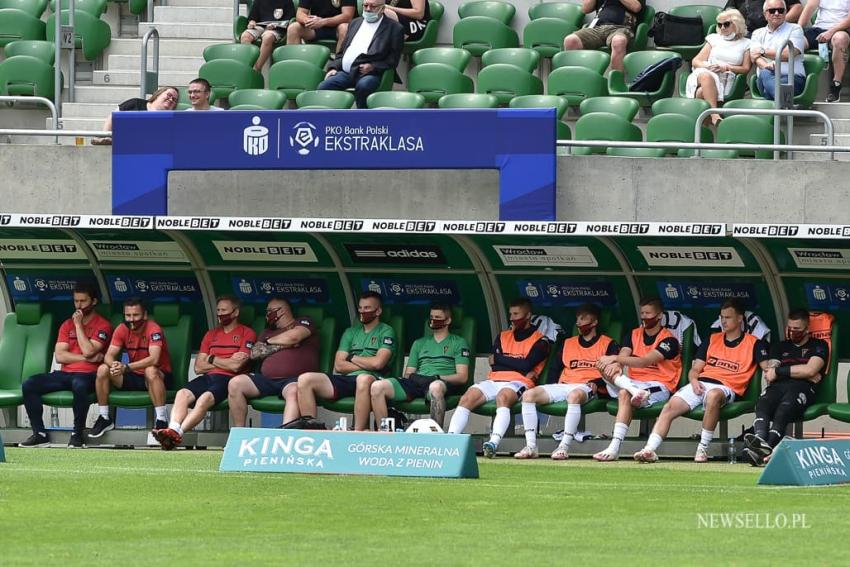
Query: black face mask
point(134, 325)
point(367, 317)
point(87, 309)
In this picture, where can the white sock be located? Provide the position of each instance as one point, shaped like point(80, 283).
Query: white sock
point(500, 424)
point(622, 381)
point(160, 412)
point(459, 419)
point(620, 430)
point(571, 424)
point(529, 420)
point(103, 411)
point(654, 441)
point(176, 427)
point(705, 437)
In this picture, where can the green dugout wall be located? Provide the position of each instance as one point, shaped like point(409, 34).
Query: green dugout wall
point(478, 266)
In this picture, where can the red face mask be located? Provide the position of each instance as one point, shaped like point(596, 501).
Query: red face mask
point(134, 325)
point(271, 318)
point(438, 323)
point(651, 322)
point(520, 324)
point(226, 318)
point(796, 336)
point(367, 317)
point(586, 328)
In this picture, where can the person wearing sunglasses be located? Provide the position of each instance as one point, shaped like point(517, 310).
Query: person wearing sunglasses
point(767, 41)
point(830, 28)
point(163, 98)
point(754, 16)
point(721, 59)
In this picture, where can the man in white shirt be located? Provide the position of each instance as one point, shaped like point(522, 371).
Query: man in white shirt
point(830, 28)
point(199, 95)
point(371, 46)
point(765, 43)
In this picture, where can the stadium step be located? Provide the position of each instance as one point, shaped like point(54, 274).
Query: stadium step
point(190, 15)
point(180, 30)
point(835, 110)
point(105, 94)
point(131, 77)
point(203, 4)
point(170, 48)
point(98, 110)
point(172, 63)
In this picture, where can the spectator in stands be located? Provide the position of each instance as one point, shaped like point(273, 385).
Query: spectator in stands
point(768, 39)
point(438, 365)
point(831, 28)
point(614, 26)
point(148, 366)
point(224, 352)
point(519, 355)
point(365, 353)
point(795, 368)
point(722, 369)
point(163, 98)
point(413, 15)
point(371, 46)
point(754, 17)
point(318, 20)
point(267, 22)
point(573, 378)
point(287, 348)
point(79, 351)
point(723, 57)
point(653, 357)
point(199, 95)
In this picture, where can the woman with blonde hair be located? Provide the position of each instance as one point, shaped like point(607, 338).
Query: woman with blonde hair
point(163, 98)
point(721, 59)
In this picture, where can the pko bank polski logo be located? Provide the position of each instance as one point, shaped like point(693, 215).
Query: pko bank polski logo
point(255, 138)
point(304, 135)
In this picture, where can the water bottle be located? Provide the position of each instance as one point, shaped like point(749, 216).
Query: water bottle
point(732, 454)
point(823, 51)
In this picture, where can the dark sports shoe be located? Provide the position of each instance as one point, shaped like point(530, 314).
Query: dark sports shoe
point(160, 424)
point(36, 440)
point(101, 426)
point(167, 438)
point(834, 92)
point(753, 458)
point(756, 443)
point(77, 441)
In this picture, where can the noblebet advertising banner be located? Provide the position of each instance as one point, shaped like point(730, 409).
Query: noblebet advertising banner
point(806, 462)
point(340, 452)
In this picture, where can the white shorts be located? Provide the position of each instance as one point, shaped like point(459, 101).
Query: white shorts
point(490, 388)
point(694, 401)
point(560, 392)
point(658, 392)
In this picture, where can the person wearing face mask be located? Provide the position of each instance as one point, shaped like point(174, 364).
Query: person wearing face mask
point(519, 355)
point(652, 356)
point(722, 369)
point(224, 352)
point(573, 378)
point(79, 351)
point(288, 347)
point(795, 368)
point(365, 353)
point(371, 46)
point(723, 57)
point(438, 365)
point(148, 367)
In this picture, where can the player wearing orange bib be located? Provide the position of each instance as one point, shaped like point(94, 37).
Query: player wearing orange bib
point(573, 377)
point(722, 369)
point(519, 355)
point(653, 358)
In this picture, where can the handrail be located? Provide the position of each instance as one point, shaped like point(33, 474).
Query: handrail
point(235, 12)
point(777, 88)
point(150, 11)
point(75, 133)
point(143, 84)
point(57, 60)
point(830, 134)
point(697, 146)
point(72, 55)
point(40, 99)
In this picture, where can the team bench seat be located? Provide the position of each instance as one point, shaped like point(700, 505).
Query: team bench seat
point(25, 349)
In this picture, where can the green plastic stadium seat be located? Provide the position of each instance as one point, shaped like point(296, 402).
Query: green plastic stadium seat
point(340, 100)
point(690, 107)
point(245, 53)
point(41, 50)
point(541, 101)
point(228, 75)
point(27, 76)
point(451, 56)
point(841, 411)
point(576, 84)
point(16, 24)
point(91, 35)
point(432, 28)
point(813, 66)
point(501, 11)
point(742, 130)
point(94, 7)
point(313, 53)
point(741, 406)
point(825, 394)
point(546, 35)
point(709, 18)
point(507, 81)
point(753, 103)
point(434, 80)
point(294, 76)
point(259, 98)
point(589, 58)
point(603, 126)
point(674, 128)
point(634, 63)
point(525, 59)
point(739, 87)
point(396, 99)
point(177, 329)
point(570, 13)
point(471, 100)
point(25, 349)
point(625, 107)
point(478, 34)
point(34, 8)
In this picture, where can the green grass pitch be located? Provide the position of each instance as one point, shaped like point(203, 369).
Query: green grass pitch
point(146, 507)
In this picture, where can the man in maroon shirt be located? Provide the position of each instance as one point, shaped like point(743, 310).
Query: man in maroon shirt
point(288, 347)
point(79, 350)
